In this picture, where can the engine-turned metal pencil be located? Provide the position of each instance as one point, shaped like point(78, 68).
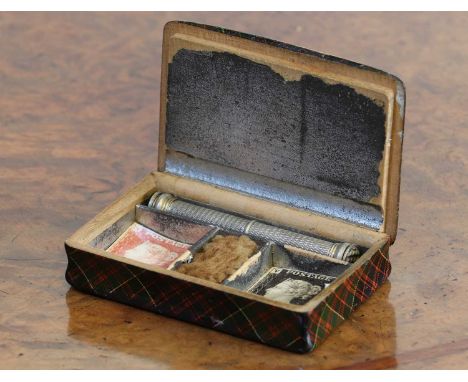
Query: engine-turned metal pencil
point(169, 204)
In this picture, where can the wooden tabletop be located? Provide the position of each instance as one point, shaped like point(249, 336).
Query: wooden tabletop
point(79, 99)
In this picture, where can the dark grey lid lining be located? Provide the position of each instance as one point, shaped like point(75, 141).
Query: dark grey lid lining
point(303, 135)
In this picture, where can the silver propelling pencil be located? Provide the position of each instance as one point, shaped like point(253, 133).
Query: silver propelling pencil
point(169, 204)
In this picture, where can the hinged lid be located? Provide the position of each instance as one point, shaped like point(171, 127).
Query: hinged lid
point(283, 123)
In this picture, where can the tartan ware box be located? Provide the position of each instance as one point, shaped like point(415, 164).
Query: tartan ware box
point(274, 201)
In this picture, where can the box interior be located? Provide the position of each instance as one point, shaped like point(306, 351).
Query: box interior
point(109, 225)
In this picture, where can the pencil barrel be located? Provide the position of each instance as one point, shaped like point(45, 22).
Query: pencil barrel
point(169, 204)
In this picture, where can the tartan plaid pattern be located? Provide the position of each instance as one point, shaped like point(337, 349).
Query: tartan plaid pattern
point(131, 285)
point(239, 316)
point(348, 296)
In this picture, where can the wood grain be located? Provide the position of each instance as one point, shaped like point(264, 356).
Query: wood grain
point(79, 97)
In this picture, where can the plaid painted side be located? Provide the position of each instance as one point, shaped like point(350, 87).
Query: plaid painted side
point(241, 317)
point(152, 291)
point(348, 296)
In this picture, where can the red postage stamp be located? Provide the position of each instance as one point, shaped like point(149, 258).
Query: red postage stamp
point(142, 244)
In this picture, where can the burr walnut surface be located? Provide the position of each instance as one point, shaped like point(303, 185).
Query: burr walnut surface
point(79, 100)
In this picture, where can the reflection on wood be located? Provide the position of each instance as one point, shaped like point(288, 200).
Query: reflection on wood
point(119, 329)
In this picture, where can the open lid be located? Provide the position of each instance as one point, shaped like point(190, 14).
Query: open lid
point(282, 123)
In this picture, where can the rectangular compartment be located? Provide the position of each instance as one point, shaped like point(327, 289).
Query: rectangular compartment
point(275, 269)
point(214, 269)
